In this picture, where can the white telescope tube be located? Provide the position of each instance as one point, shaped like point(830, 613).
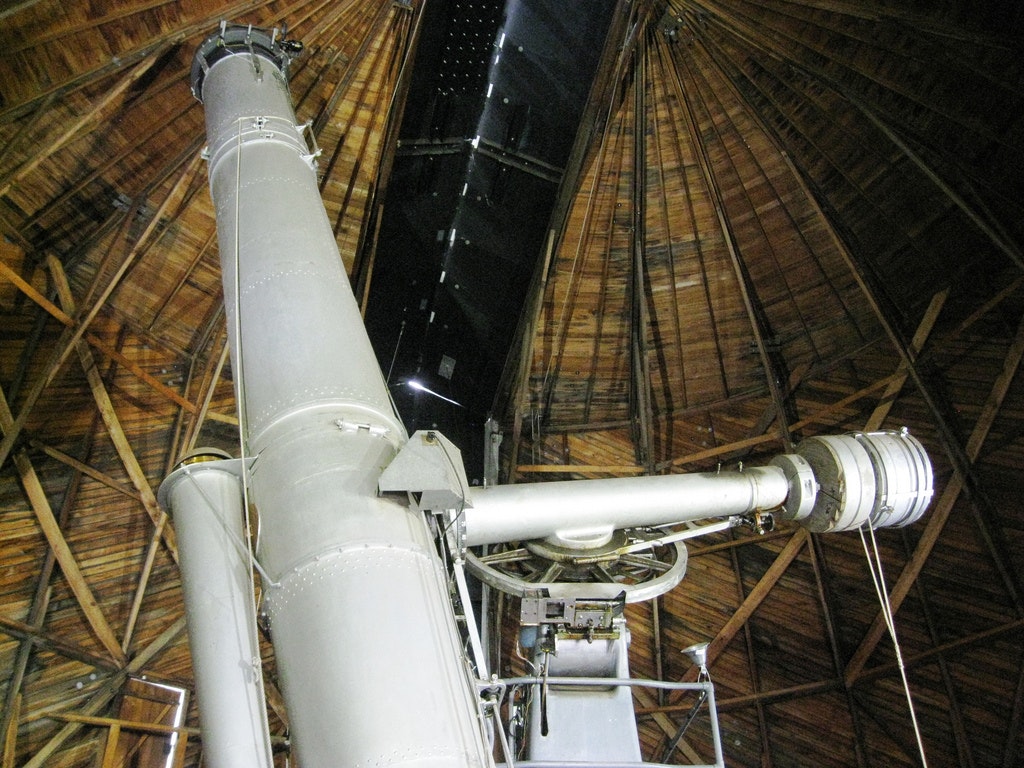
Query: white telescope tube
point(366, 644)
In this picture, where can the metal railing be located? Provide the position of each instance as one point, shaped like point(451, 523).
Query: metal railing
point(493, 692)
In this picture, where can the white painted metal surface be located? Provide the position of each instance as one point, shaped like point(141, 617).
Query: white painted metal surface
point(588, 509)
point(584, 724)
point(369, 657)
point(206, 499)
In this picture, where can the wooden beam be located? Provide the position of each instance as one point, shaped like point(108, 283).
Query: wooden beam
point(753, 600)
point(26, 288)
point(110, 748)
point(924, 329)
point(696, 551)
point(885, 670)
point(326, 111)
point(983, 309)
point(560, 326)
point(112, 354)
point(641, 409)
point(755, 677)
point(185, 278)
point(751, 699)
point(826, 601)
point(668, 727)
point(93, 340)
point(69, 339)
point(10, 734)
point(51, 530)
point(719, 450)
point(754, 311)
point(85, 469)
point(1010, 748)
point(93, 114)
point(126, 725)
point(657, 647)
point(65, 557)
point(105, 695)
point(1007, 246)
point(823, 414)
point(672, 153)
point(780, 694)
point(611, 469)
point(114, 429)
point(965, 756)
point(938, 517)
point(144, 575)
point(207, 387)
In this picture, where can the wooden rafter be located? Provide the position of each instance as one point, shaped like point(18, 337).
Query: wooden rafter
point(649, 704)
point(754, 315)
point(360, 154)
point(780, 44)
point(37, 638)
point(10, 733)
point(1013, 729)
point(41, 595)
point(754, 598)
point(965, 755)
point(940, 513)
point(755, 678)
point(94, 341)
point(1003, 244)
point(69, 339)
point(105, 695)
point(751, 38)
point(126, 58)
point(756, 160)
point(341, 87)
point(826, 603)
point(110, 418)
point(641, 408)
point(211, 372)
point(28, 126)
point(917, 343)
point(75, 129)
point(51, 529)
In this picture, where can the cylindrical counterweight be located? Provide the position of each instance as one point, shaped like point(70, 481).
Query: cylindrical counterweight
point(834, 483)
point(365, 641)
point(585, 510)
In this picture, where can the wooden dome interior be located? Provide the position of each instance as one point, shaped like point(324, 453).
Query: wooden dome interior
point(780, 220)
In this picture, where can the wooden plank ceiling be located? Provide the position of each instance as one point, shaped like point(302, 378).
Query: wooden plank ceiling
point(790, 218)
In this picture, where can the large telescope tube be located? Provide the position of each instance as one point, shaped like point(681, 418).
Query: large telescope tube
point(364, 637)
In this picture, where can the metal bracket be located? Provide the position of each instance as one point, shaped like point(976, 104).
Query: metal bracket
point(429, 467)
point(586, 614)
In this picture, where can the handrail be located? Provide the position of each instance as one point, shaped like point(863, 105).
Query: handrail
point(497, 686)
